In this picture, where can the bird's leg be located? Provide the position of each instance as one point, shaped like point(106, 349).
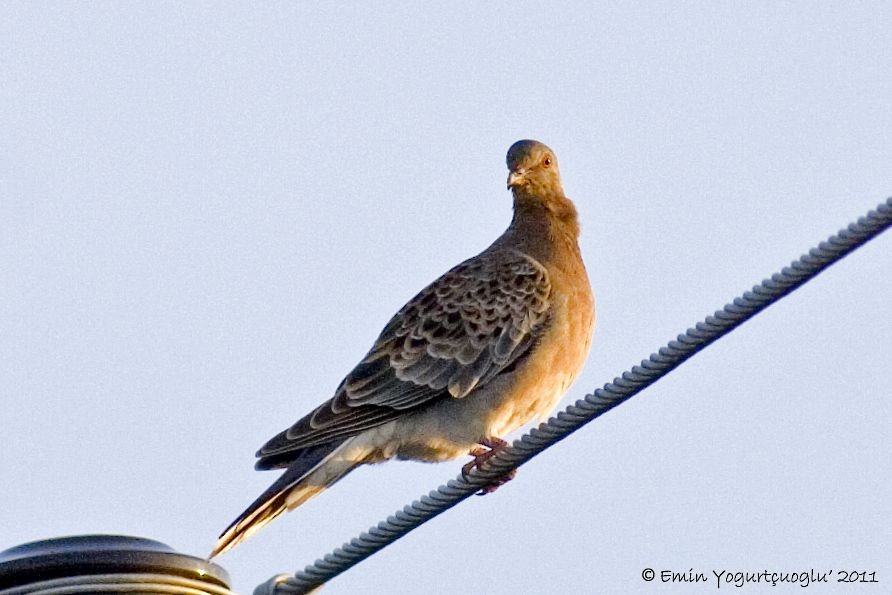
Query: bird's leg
point(488, 447)
point(493, 443)
point(480, 454)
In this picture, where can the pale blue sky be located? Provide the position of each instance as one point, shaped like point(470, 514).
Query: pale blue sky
point(208, 213)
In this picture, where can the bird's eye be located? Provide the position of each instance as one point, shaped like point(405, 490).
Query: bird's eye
point(547, 161)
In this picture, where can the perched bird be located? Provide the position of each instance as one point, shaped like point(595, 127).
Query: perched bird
point(491, 345)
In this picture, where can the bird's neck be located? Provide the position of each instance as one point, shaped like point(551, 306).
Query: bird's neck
point(543, 226)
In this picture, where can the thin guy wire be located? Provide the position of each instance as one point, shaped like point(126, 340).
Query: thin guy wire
point(585, 410)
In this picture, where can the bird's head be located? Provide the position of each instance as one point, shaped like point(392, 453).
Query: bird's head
point(533, 169)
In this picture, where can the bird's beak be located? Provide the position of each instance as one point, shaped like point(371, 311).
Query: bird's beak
point(515, 178)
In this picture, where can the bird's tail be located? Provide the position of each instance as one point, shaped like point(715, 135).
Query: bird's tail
point(310, 473)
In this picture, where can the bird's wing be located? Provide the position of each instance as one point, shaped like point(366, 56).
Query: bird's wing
point(459, 332)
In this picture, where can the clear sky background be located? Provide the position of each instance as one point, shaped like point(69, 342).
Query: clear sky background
point(207, 214)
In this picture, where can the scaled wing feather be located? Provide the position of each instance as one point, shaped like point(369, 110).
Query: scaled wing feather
point(454, 336)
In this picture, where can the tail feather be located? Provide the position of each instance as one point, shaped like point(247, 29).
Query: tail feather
point(298, 484)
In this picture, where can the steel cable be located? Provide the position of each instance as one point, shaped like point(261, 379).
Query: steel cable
point(585, 410)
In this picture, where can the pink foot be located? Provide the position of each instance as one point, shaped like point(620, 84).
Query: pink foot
point(488, 447)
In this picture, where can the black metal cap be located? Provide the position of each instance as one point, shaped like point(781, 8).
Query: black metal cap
point(97, 554)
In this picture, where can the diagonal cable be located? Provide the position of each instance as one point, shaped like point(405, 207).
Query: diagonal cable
point(585, 410)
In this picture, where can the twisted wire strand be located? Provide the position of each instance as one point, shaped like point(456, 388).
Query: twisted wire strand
point(583, 411)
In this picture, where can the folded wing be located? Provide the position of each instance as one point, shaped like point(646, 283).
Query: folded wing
point(471, 324)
